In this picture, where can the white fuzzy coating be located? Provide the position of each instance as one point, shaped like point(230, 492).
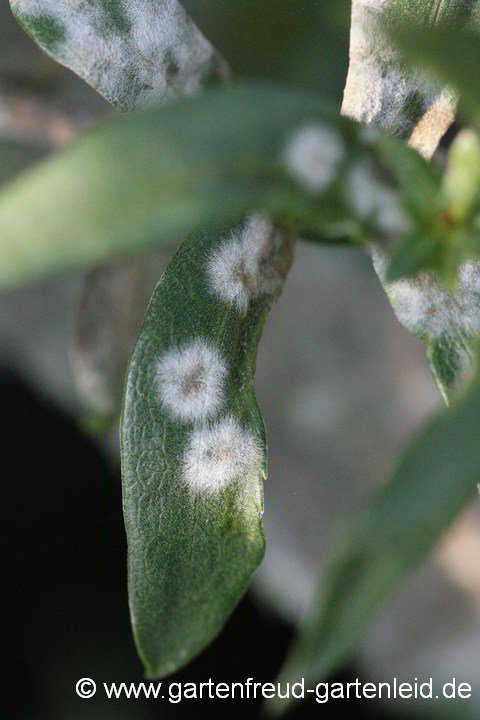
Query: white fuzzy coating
point(219, 454)
point(313, 155)
point(248, 264)
point(164, 27)
point(381, 92)
point(429, 310)
point(370, 199)
point(129, 68)
point(190, 381)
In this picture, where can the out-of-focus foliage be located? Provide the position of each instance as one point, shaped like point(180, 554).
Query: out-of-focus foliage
point(109, 311)
point(450, 235)
point(133, 53)
point(438, 474)
point(305, 43)
point(164, 173)
point(400, 523)
point(430, 274)
point(451, 55)
point(383, 92)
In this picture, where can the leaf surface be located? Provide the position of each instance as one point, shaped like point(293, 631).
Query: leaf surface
point(380, 89)
point(193, 440)
point(437, 475)
point(157, 175)
point(133, 52)
point(451, 54)
point(389, 90)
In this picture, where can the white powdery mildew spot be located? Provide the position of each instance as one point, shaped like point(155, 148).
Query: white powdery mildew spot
point(32, 7)
point(370, 199)
point(427, 309)
point(163, 35)
point(250, 264)
point(219, 454)
point(313, 155)
point(190, 381)
point(379, 91)
point(469, 294)
point(100, 58)
point(163, 55)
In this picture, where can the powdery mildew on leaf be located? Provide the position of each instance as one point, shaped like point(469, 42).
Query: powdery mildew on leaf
point(450, 322)
point(371, 199)
point(134, 52)
point(429, 310)
point(250, 263)
point(379, 91)
point(313, 155)
point(219, 454)
point(194, 451)
point(191, 379)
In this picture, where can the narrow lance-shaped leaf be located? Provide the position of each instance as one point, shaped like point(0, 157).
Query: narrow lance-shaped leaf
point(434, 480)
point(382, 89)
point(449, 321)
point(450, 54)
point(438, 474)
point(133, 52)
point(193, 446)
point(167, 172)
point(448, 318)
point(193, 440)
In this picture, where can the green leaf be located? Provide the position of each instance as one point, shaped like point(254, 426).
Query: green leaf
point(451, 54)
point(278, 40)
point(159, 174)
point(448, 319)
point(193, 440)
point(442, 306)
point(430, 13)
point(420, 181)
point(383, 90)
point(435, 478)
point(461, 181)
point(134, 53)
point(446, 237)
point(411, 254)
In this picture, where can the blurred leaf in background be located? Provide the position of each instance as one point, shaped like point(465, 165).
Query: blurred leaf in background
point(434, 480)
point(304, 43)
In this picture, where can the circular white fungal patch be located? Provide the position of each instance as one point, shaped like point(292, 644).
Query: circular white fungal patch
point(370, 198)
point(190, 380)
point(313, 155)
point(219, 454)
point(426, 308)
point(250, 264)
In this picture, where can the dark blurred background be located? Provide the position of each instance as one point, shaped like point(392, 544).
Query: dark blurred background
point(66, 616)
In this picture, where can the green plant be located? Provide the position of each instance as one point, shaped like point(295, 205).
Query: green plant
point(251, 166)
